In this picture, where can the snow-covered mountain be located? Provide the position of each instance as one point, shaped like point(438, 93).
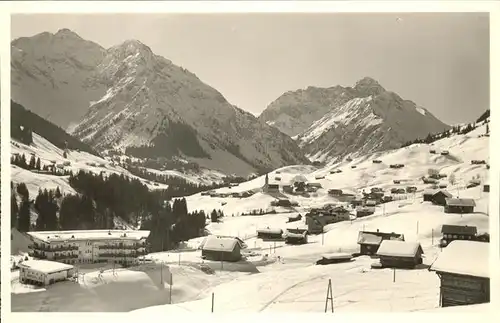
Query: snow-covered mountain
point(338, 121)
point(51, 73)
point(134, 98)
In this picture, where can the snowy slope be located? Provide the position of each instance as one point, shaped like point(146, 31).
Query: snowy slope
point(131, 97)
point(337, 122)
point(293, 282)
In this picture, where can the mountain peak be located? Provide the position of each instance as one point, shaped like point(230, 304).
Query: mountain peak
point(65, 32)
point(369, 86)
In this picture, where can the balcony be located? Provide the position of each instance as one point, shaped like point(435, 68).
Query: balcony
point(134, 246)
point(40, 247)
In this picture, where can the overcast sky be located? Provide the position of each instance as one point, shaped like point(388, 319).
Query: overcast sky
point(438, 60)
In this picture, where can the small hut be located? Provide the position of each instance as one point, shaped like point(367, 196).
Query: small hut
point(400, 254)
point(295, 238)
point(218, 248)
point(370, 241)
point(270, 234)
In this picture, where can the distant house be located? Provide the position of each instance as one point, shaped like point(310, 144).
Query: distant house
point(445, 153)
point(270, 234)
point(439, 198)
point(400, 254)
point(282, 203)
point(335, 192)
point(357, 202)
point(486, 187)
point(478, 162)
point(411, 189)
point(364, 211)
point(288, 189)
point(369, 242)
point(396, 181)
point(428, 194)
point(273, 188)
point(370, 203)
point(432, 151)
point(459, 205)
point(295, 238)
point(354, 166)
point(297, 230)
point(315, 185)
point(377, 161)
point(319, 177)
point(463, 268)
point(456, 232)
point(296, 218)
point(388, 198)
point(218, 248)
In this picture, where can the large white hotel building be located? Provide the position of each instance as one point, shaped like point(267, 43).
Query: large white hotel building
point(89, 246)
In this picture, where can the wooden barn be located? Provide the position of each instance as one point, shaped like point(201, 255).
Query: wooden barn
point(400, 254)
point(463, 268)
point(459, 205)
point(270, 234)
point(295, 238)
point(369, 242)
point(218, 248)
point(456, 232)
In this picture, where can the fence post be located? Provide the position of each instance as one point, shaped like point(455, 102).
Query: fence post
point(432, 237)
point(179, 258)
point(170, 293)
point(417, 226)
point(213, 302)
point(394, 275)
point(329, 295)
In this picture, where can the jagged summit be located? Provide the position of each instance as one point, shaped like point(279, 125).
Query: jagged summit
point(368, 86)
point(65, 32)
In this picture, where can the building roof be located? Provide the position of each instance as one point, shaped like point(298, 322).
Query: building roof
point(296, 235)
point(397, 248)
point(45, 266)
point(458, 229)
point(270, 231)
point(369, 238)
point(463, 257)
point(430, 192)
point(460, 202)
point(219, 243)
point(337, 256)
point(443, 192)
point(299, 179)
point(79, 235)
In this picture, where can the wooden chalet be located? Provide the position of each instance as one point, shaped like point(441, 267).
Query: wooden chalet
point(463, 268)
point(270, 234)
point(295, 238)
point(369, 242)
point(400, 254)
point(364, 211)
point(218, 248)
point(459, 205)
point(456, 232)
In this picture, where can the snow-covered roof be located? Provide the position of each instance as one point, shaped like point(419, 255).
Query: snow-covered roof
point(460, 202)
point(45, 266)
point(338, 255)
point(430, 191)
point(369, 238)
point(218, 243)
point(295, 235)
point(78, 235)
point(458, 229)
point(271, 231)
point(470, 258)
point(299, 179)
point(397, 248)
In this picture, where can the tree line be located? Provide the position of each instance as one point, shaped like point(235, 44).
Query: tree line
point(456, 130)
point(99, 199)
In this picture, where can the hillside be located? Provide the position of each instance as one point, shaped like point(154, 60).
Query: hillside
point(284, 276)
point(142, 103)
point(339, 122)
point(23, 122)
